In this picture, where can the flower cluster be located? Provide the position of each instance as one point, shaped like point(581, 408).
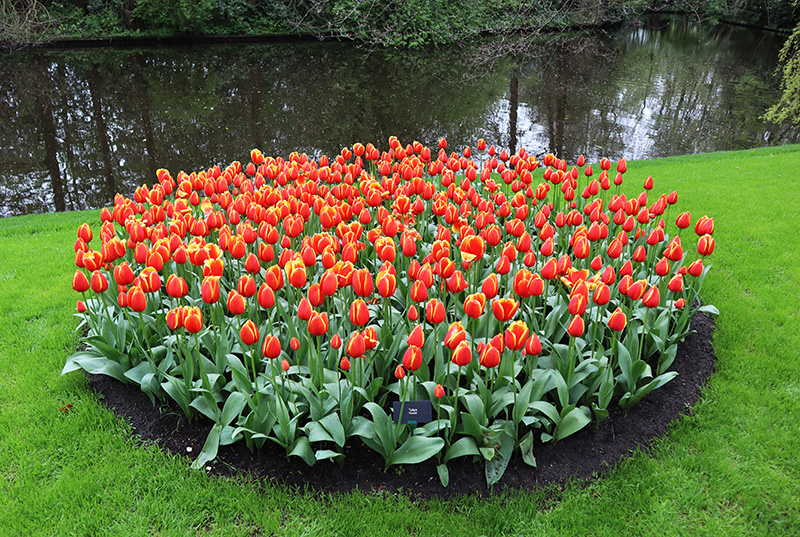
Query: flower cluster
point(293, 300)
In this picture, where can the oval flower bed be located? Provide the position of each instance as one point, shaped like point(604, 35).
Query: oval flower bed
point(430, 304)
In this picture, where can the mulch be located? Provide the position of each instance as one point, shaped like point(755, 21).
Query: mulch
point(583, 456)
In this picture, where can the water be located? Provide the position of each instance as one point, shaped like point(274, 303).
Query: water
point(80, 125)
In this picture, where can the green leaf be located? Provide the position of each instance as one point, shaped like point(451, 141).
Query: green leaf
point(136, 374)
point(523, 399)
point(526, 447)
point(416, 449)
point(324, 454)
point(575, 420)
point(463, 447)
point(210, 448)
point(333, 425)
point(444, 474)
point(472, 427)
point(302, 449)
point(96, 365)
point(233, 407)
point(496, 467)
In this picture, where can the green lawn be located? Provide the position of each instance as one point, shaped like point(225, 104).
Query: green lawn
point(731, 469)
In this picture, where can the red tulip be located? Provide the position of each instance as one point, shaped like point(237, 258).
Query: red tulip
point(210, 290)
point(399, 373)
point(504, 309)
point(622, 166)
point(193, 320)
point(294, 343)
point(576, 326)
point(617, 321)
point(474, 305)
point(637, 289)
point(662, 267)
point(386, 282)
point(652, 297)
point(123, 274)
point(549, 269)
point(412, 359)
point(318, 324)
point(472, 248)
point(99, 283)
point(434, 311)
point(80, 306)
point(266, 296)
point(85, 233)
point(79, 282)
point(489, 357)
point(457, 282)
point(271, 348)
point(419, 293)
point(416, 338)
point(684, 220)
point(413, 313)
point(362, 282)
point(705, 245)
point(696, 268)
point(236, 303)
point(274, 277)
point(285, 366)
point(137, 300)
point(175, 318)
point(438, 391)
point(533, 346)
point(359, 312)
point(455, 335)
point(577, 305)
point(329, 283)
point(490, 286)
point(462, 354)
point(704, 226)
point(680, 303)
point(676, 284)
point(356, 346)
point(602, 294)
point(249, 333)
point(516, 335)
point(344, 364)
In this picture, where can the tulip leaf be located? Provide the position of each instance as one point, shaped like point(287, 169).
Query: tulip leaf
point(526, 447)
point(416, 449)
point(573, 421)
point(324, 454)
point(547, 409)
point(233, 407)
point(96, 365)
point(444, 474)
point(361, 426)
point(523, 399)
point(176, 389)
point(472, 427)
point(136, 374)
point(210, 448)
point(301, 448)
point(496, 467)
point(333, 425)
point(461, 448)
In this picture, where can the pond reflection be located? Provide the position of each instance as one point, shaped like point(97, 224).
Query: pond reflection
point(82, 125)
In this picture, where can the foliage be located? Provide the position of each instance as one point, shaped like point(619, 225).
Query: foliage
point(787, 109)
point(549, 301)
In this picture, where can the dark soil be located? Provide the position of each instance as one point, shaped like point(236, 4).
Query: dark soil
point(582, 456)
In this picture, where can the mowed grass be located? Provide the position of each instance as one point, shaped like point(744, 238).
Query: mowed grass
point(733, 468)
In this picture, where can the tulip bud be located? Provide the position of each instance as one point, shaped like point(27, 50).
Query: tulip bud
point(576, 326)
point(294, 343)
point(399, 373)
point(617, 321)
point(438, 391)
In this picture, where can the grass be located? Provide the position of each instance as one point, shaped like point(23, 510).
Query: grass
point(731, 469)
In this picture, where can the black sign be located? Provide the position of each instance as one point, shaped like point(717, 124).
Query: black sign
point(414, 412)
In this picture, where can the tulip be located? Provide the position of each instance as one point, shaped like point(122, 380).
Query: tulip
point(474, 305)
point(175, 318)
point(490, 286)
point(137, 300)
point(704, 226)
point(271, 348)
point(637, 289)
point(455, 335)
point(662, 267)
point(533, 346)
point(295, 272)
point(504, 309)
point(438, 391)
point(99, 283)
point(419, 293)
point(266, 296)
point(705, 245)
point(359, 312)
point(602, 294)
point(285, 366)
point(362, 282)
point(577, 305)
point(318, 324)
point(462, 354)
point(249, 333)
point(617, 320)
point(123, 274)
point(344, 364)
point(274, 277)
point(676, 284)
point(416, 338)
point(209, 290)
point(576, 326)
point(85, 233)
point(412, 359)
point(193, 320)
point(236, 303)
point(680, 303)
point(177, 286)
point(434, 311)
point(684, 220)
point(294, 343)
point(651, 298)
point(696, 268)
point(489, 357)
point(79, 282)
point(472, 248)
point(80, 306)
point(386, 282)
point(516, 335)
point(356, 346)
point(399, 373)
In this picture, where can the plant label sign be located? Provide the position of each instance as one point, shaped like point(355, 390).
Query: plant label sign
point(414, 412)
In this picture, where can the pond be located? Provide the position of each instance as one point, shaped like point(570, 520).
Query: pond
point(80, 125)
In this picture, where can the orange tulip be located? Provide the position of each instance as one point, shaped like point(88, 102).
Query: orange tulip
point(504, 309)
point(209, 290)
point(386, 282)
point(474, 305)
point(193, 320)
point(533, 346)
point(274, 277)
point(516, 335)
point(438, 391)
point(705, 245)
point(490, 357)
point(356, 346)
point(419, 293)
point(123, 274)
point(472, 248)
point(412, 359)
point(416, 338)
point(137, 300)
point(455, 335)
point(266, 296)
point(99, 282)
point(652, 297)
point(175, 318)
point(362, 282)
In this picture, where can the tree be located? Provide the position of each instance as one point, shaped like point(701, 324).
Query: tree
point(787, 109)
